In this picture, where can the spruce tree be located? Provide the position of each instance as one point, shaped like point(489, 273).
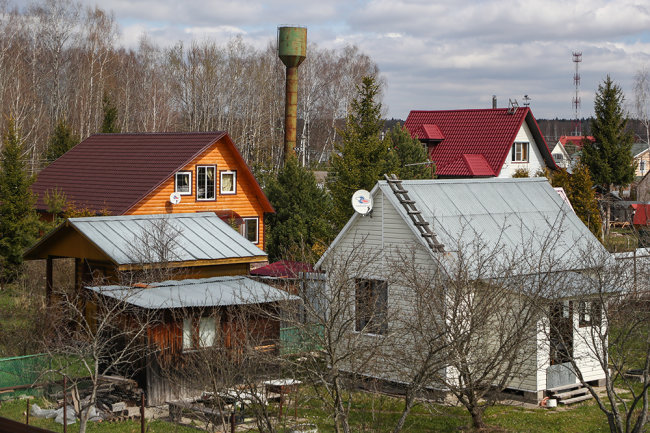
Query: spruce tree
point(361, 157)
point(109, 125)
point(411, 154)
point(61, 140)
point(609, 158)
point(301, 216)
point(578, 187)
point(18, 220)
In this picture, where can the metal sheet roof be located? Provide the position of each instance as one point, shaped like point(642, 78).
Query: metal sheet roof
point(196, 236)
point(515, 215)
point(204, 292)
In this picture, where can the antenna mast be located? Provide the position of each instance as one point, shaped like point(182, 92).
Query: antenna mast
point(577, 125)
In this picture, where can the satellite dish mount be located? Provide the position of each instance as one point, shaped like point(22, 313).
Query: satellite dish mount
point(362, 202)
point(175, 198)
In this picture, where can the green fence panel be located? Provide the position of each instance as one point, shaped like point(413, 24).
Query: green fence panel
point(22, 370)
point(300, 339)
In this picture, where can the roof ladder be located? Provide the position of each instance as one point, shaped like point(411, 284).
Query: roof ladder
point(413, 212)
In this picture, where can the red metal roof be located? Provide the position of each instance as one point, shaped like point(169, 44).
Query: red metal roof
point(470, 134)
point(432, 132)
point(113, 172)
point(283, 269)
point(576, 140)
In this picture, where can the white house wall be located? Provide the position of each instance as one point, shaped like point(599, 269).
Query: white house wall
point(535, 160)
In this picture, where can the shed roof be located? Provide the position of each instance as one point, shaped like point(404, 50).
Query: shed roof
point(199, 236)
point(486, 132)
point(113, 172)
point(283, 269)
point(204, 292)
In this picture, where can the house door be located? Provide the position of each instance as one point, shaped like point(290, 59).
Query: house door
point(560, 372)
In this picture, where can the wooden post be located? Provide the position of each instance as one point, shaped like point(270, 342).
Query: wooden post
point(65, 405)
point(232, 420)
point(142, 422)
point(281, 401)
point(49, 280)
point(27, 412)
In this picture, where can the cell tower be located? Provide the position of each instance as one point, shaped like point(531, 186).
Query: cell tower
point(577, 125)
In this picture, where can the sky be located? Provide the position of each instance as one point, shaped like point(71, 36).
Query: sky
point(433, 54)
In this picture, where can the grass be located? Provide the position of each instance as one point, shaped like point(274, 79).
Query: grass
point(377, 413)
point(621, 240)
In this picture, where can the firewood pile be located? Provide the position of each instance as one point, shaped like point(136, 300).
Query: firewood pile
point(118, 398)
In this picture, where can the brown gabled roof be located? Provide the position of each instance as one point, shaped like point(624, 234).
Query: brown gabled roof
point(113, 172)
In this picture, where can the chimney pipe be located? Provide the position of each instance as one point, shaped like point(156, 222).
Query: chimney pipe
point(494, 101)
point(292, 50)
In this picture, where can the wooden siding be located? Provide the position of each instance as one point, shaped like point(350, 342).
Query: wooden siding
point(245, 202)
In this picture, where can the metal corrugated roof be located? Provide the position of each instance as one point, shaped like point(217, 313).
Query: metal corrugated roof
point(204, 292)
point(513, 214)
point(113, 172)
point(486, 132)
point(197, 236)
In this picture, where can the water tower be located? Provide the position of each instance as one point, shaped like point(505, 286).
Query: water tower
point(292, 49)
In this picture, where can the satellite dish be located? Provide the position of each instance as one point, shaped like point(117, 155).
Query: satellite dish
point(362, 202)
point(175, 197)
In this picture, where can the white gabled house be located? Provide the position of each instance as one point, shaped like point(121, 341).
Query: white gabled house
point(508, 216)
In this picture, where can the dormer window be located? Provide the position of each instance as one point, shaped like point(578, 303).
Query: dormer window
point(183, 183)
point(205, 182)
point(520, 152)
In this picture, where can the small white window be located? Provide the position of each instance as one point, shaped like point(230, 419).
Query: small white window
point(642, 166)
point(250, 229)
point(520, 152)
point(183, 182)
point(188, 332)
point(228, 182)
point(205, 182)
point(207, 331)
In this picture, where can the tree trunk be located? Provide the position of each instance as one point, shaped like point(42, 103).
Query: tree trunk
point(477, 416)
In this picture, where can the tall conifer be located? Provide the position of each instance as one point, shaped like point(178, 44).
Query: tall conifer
point(302, 212)
point(18, 221)
point(361, 157)
point(61, 140)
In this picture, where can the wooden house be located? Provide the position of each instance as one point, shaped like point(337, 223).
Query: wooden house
point(507, 218)
point(482, 142)
point(136, 174)
point(219, 315)
point(202, 262)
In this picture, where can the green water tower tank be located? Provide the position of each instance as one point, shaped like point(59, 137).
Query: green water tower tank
point(292, 45)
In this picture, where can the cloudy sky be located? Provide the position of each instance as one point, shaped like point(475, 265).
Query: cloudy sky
point(434, 54)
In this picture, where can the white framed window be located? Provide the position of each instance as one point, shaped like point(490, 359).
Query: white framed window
point(205, 182)
point(520, 152)
point(228, 182)
point(207, 331)
point(250, 229)
point(188, 333)
point(183, 182)
point(201, 332)
point(642, 166)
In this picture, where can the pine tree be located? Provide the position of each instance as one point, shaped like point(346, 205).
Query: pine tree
point(301, 212)
point(361, 158)
point(61, 140)
point(411, 154)
point(609, 158)
point(109, 125)
point(578, 187)
point(18, 220)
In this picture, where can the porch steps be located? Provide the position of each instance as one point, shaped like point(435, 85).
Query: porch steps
point(569, 394)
